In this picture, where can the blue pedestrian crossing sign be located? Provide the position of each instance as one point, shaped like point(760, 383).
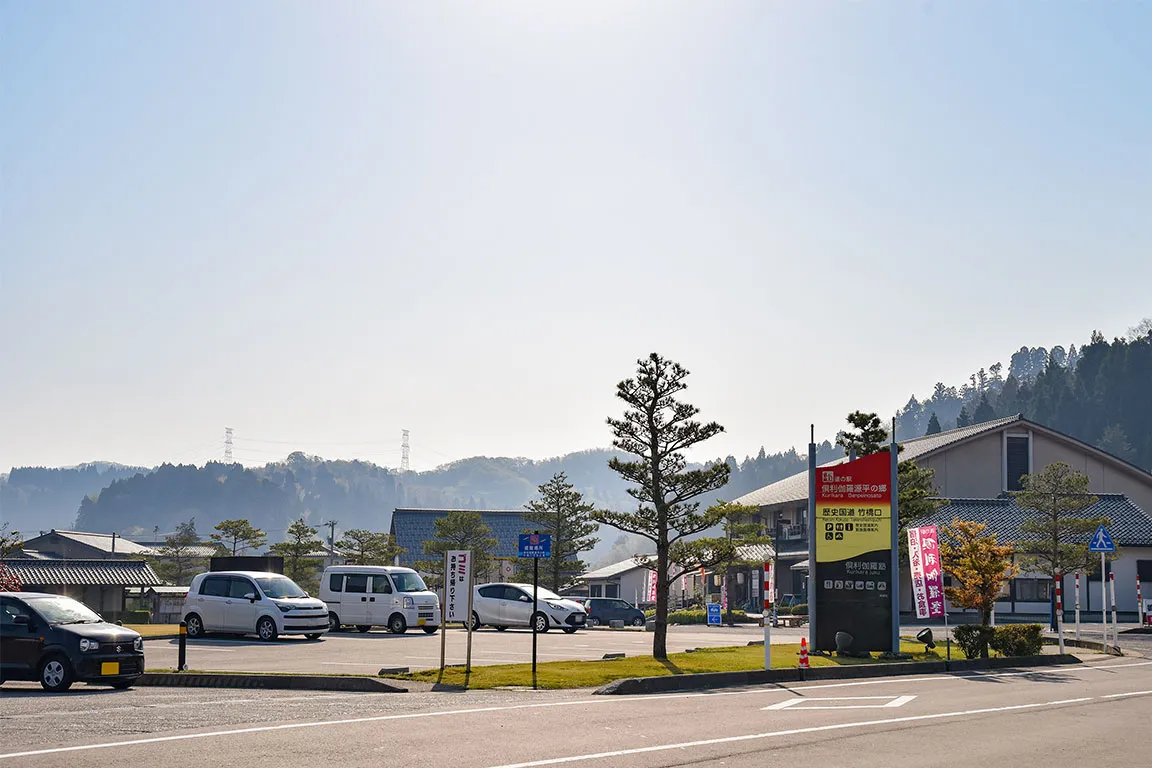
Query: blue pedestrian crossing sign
point(1101, 541)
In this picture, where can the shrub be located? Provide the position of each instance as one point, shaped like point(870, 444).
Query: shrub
point(1018, 639)
point(973, 639)
point(136, 617)
point(701, 617)
point(800, 609)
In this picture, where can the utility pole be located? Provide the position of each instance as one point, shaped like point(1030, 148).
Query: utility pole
point(227, 445)
point(404, 450)
point(331, 536)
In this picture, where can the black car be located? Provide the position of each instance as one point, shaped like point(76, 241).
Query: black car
point(603, 610)
point(58, 641)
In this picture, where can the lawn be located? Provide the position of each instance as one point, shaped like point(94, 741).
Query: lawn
point(154, 630)
point(586, 674)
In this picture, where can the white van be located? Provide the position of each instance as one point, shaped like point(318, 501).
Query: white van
point(247, 602)
point(366, 596)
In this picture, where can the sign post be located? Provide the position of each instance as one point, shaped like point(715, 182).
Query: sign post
point(767, 620)
point(1102, 542)
point(714, 614)
point(535, 546)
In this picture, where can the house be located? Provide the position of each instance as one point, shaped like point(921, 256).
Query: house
point(978, 465)
point(625, 580)
point(411, 527)
point(72, 545)
point(100, 584)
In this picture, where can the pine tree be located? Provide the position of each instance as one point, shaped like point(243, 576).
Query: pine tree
point(984, 412)
point(933, 425)
point(1054, 536)
point(364, 547)
point(562, 512)
point(867, 435)
point(459, 530)
point(177, 562)
point(741, 528)
point(295, 550)
point(963, 420)
point(235, 536)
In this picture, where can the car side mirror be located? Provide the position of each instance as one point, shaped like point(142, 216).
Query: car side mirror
point(250, 597)
point(25, 620)
point(525, 599)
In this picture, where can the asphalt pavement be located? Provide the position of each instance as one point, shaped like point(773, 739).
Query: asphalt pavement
point(1092, 713)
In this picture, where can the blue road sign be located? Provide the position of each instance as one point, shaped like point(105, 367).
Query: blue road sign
point(534, 545)
point(714, 614)
point(1101, 541)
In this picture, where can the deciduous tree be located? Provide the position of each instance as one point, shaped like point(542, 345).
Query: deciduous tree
point(657, 428)
point(978, 564)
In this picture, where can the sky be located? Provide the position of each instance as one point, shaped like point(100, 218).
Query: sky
point(320, 224)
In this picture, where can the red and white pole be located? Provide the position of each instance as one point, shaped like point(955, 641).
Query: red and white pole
point(1077, 606)
point(1139, 603)
point(1115, 625)
point(1060, 611)
point(767, 619)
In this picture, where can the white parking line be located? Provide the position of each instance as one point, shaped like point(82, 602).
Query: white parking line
point(802, 704)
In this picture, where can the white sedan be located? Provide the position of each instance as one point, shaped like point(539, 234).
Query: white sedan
point(510, 605)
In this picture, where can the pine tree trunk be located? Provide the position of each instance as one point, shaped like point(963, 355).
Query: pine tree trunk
point(660, 639)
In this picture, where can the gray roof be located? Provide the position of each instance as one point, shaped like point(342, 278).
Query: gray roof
point(1129, 525)
point(83, 573)
point(611, 571)
point(101, 541)
point(795, 488)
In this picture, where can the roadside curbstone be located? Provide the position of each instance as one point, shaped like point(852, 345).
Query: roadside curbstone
point(267, 682)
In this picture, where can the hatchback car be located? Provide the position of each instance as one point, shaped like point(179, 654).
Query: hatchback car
point(603, 610)
point(510, 605)
point(252, 602)
point(58, 641)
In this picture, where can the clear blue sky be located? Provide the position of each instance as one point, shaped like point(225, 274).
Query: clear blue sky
point(322, 223)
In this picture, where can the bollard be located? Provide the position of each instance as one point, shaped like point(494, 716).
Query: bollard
point(181, 658)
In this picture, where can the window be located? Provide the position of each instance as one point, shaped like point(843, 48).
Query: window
point(336, 582)
point(611, 590)
point(215, 586)
point(492, 592)
point(241, 587)
point(1017, 461)
point(408, 582)
point(594, 590)
point(620, 604)
point(1033, 590)
point(355, 582)
point(381, 585)
point(9, 610)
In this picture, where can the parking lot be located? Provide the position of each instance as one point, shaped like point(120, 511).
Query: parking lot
point(355, 653)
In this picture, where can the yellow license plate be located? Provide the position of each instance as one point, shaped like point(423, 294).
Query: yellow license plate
point(110, 668)
point(421, 622)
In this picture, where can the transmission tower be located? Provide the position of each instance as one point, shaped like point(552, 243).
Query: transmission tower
point(227, 445)
point(404, 451)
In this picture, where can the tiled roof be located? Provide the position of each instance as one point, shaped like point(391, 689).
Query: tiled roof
point(795, 488)
point(83, 573)
point(413, 527)
point(1129, 525)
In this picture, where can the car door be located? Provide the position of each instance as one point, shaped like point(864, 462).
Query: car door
point(517, 607)
point(380, 603)
point(210, 602)
point(488, 602)
point(355, 603)
point(21, 639)
point(621, 610)
point(239, 611)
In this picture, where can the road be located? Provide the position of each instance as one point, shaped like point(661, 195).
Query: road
point(1096, 713)
point(355, 653)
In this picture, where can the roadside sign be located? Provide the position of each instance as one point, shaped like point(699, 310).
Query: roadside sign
point(714, 614)
point(457, 585)
point(1102, 541)
point(535, 545)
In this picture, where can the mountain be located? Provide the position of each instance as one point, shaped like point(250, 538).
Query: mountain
point(33, 499)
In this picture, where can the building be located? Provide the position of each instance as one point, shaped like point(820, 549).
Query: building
point(72, 545)
point(976, 467)
point(100, 584)
point(412, 527)
point(625, 580)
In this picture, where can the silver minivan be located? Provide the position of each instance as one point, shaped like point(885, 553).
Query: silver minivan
point(367, 596)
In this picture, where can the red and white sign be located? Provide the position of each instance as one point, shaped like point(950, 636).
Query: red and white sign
point(926, 571)
point(650, 588)
point(769, 585)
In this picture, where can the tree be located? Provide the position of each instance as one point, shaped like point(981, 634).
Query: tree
point(1054, 537)
point(562, 512)
point(963, 420)
point(459, 530)
point(235, 536)
point(295, 550)
point(362, 547)
point(867, 436)
point(1141, 330)
point(933, 425)
point(178, 562)
point(979, 566)
point(11, 542)
point(741, 528)
point(1115, 441)
point(984, 411)
point(657, 429)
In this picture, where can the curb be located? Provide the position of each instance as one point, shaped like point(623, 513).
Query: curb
point(267, 682)
point(1090, 645)
point(662, 684)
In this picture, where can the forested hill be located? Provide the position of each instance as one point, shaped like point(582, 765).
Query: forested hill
point(40, 498)
point(1100, 393)
point(356, 494)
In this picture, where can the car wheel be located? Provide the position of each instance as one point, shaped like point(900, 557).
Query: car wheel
point(569, 630)
point(333, 622)
point(314, 635)
point(56, 674)
point(194, 625)
point(475, 621)
point(540, 622)
point(593, 621)
point(638, 621)
point(499, 629)
point(266, 629)
point(430, 630)
point(397, 625)
point(362, 628)
point(120, 685)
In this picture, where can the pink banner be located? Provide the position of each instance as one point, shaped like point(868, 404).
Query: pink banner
point(925, 569)
point(650, 588)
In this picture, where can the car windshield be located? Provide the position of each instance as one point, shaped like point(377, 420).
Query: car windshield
point(64, 610)
point(280, 587)
point(409, 582)
point(543, 594)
